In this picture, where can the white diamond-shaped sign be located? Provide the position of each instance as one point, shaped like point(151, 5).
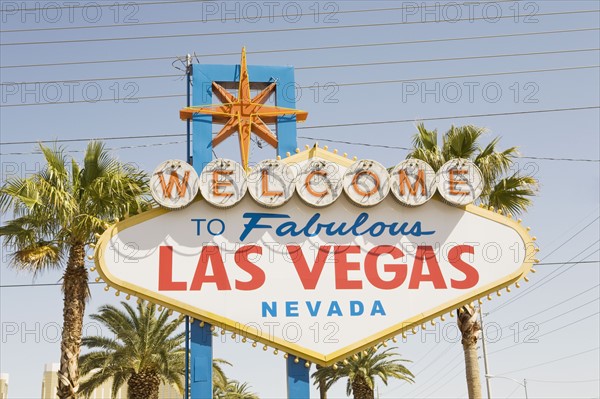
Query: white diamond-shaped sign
point(320, 283)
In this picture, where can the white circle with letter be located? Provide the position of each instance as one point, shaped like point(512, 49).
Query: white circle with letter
point(366, 182)
point(223, 183)
point(271, 183)
point(174, 184)
point(319, 183)
point(460, 181)
point(413, 182)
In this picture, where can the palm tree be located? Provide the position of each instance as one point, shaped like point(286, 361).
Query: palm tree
point(321, 382)
point(506, 191)
point(146, 351)
point(361, 370)
point(56, 212)
point(219, 378)
point(234, 390)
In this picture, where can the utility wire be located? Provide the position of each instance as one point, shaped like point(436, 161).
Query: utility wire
point(563, 381)
point(393, 147)
point(96, 5)
point(295, 50)
point(136, 99)
point(551, 361)
point(309, 28)
point(236, 18)
point(595, 300)
point(110, 138)
point(367, 64)
point(547, 278)
point(109, 149)
point(553, 306)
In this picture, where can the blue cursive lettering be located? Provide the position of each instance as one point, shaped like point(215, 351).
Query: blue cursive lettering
point(313, 227)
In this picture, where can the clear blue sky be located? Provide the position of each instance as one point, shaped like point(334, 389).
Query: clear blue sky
point(568, 199)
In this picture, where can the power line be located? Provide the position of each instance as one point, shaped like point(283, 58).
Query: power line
point(96, 5)
point(449, 59)
point(595, 300)
point(393, 147)
point(136, 99)
point(110, 138)
point(236, 19)
point(42, 285)
point(563, 381)
point(567, 263)
point(546, 279)
point(309, 28)
point(310, 138)
point(548, 255)
point(556, 305)
point(109, 149)
point(551, 361)
point(367, 64)
point(301, 49)
point(568, 325)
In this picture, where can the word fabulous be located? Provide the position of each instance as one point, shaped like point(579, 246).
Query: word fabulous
point(223, 183)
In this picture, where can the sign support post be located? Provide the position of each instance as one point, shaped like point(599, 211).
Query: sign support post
point(198, 339)
point(188, 77)
point(201, 362)
point(298, 381)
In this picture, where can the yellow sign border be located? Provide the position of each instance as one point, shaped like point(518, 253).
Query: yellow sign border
point(297, 350)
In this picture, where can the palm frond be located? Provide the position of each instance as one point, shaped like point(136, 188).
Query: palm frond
point(461, 142)
point(513, 194)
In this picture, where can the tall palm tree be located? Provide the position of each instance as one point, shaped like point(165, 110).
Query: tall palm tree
point(56, 213)
point(361, 370)
point(505, 190)
point(146, 351)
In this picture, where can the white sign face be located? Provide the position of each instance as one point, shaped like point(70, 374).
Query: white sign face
point(317, 283)
point(223, 183)
point(174, 184)
point(271, 183)
point(319, 183)
point(460, 182)
point(366, 182)
point(413, 182)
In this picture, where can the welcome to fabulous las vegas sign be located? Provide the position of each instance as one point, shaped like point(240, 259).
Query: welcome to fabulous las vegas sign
point(314, 254)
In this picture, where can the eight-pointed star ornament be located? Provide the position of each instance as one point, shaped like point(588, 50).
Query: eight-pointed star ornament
point(244, 114)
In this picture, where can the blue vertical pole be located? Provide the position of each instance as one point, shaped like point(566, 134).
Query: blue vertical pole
point(188, 75)
point(199, 346)
point(202, 355)
point(297, 379)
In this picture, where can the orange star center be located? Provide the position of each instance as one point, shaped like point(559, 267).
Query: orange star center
point(244, 115)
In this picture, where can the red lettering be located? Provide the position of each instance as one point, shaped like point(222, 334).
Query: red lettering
point(342, 267)
point(212, 255)
point(256, 273)
point(308, 277)
point(165, 272)
point(399, 269)
point(471, 274)
point(426, 253)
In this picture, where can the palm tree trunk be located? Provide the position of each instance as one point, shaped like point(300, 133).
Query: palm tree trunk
point(143, 385)
point(322, 385)
point(360, 389)
point(469, 327)
point(322, 389)
point(75, 291)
